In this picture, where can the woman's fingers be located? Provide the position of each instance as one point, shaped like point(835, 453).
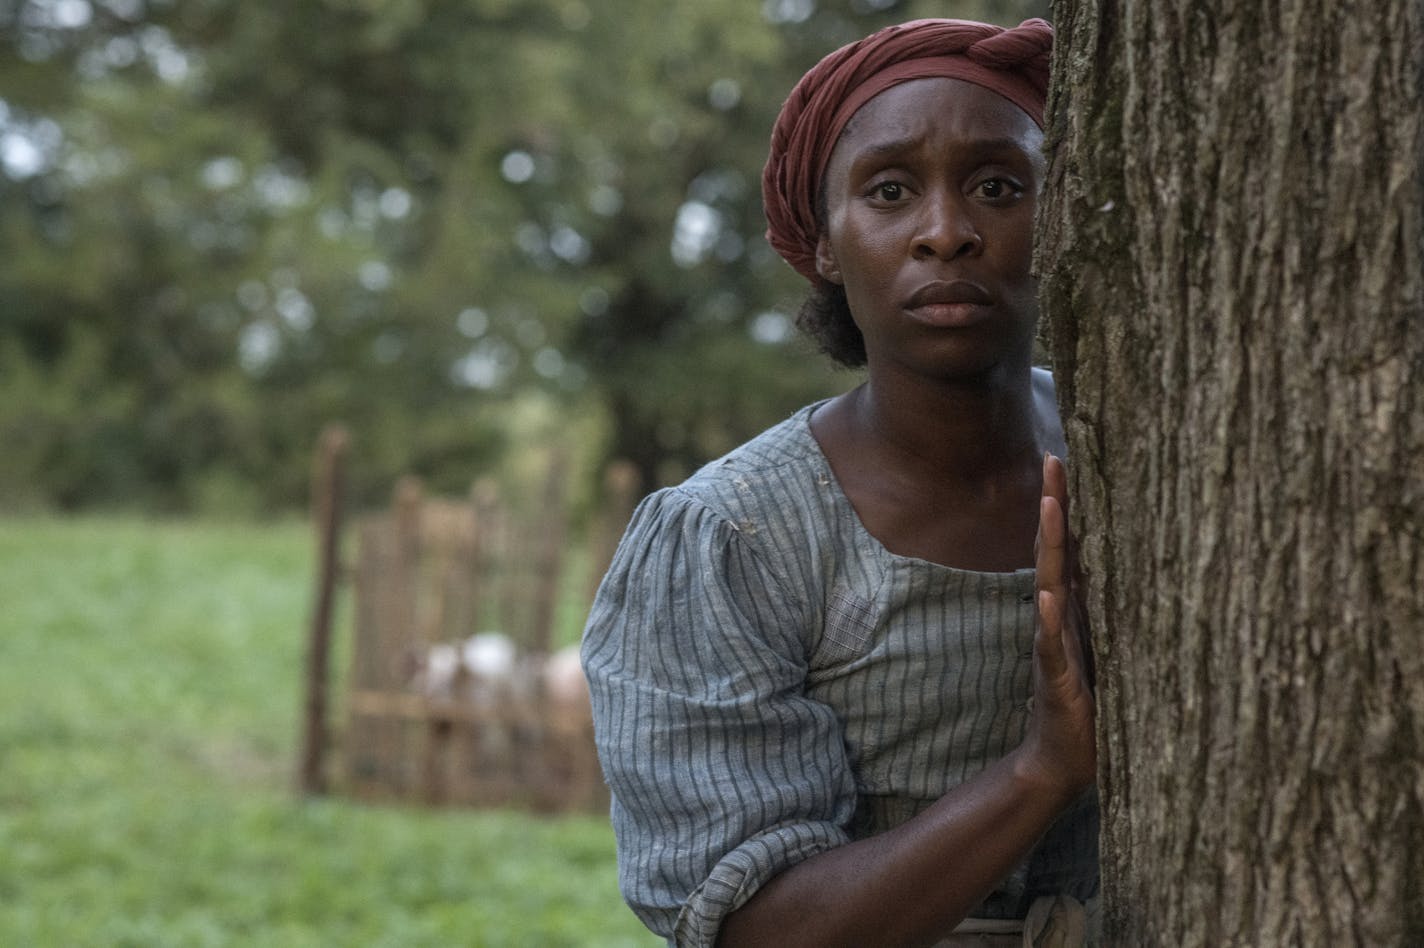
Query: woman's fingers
point(1055, 480)
point(1061, 728)
point(1052, 557)
point(1059, 648)
point(1051, 545)
point(1052, 657)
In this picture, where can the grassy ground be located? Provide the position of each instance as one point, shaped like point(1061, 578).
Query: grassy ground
point(149, 686)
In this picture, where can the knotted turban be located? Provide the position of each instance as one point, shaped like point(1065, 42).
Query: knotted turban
point(1011, 62)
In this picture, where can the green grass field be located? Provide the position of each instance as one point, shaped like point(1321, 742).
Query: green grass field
point(149, 687)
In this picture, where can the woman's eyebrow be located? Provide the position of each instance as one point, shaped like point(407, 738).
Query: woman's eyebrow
point(875, 153)
point(888, 148)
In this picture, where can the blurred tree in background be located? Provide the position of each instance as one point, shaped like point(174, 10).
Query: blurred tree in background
point(461, 227)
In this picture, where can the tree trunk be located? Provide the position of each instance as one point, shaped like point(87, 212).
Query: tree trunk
point(1232, 253)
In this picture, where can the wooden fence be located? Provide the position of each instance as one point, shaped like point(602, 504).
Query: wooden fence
point(456, 693)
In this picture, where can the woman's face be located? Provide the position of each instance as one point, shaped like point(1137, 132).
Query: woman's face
point(930, 195)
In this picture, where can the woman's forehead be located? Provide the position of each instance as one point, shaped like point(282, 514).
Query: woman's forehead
point(938, 108)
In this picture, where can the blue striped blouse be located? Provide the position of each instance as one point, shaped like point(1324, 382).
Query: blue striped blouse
point(769, 682)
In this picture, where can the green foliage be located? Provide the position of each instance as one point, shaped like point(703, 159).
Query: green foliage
point(225, 224)
point(149, 692)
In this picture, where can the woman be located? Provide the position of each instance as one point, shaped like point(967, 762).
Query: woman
point(822, 707)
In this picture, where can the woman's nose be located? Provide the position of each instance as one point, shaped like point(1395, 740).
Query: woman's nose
point(946, 230)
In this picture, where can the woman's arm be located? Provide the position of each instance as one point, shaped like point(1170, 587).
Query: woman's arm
point(913, 884)
point(722, 771)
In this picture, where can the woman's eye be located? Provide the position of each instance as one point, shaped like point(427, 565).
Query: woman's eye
point(889, 191)
point(997, 188)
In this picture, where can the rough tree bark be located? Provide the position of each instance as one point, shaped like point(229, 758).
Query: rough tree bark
point(1232, 254)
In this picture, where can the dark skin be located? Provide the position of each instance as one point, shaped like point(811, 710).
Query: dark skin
point(947, 453)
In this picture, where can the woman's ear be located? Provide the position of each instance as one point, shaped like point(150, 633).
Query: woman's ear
point(826, 265)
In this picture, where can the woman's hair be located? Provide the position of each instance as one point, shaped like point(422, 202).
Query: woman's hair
point(825, 317)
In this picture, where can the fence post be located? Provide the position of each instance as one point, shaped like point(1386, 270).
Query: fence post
point(620, 496)
point(549, 553)
point(328, 484)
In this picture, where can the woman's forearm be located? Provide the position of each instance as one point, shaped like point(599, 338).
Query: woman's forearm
point(910, 885)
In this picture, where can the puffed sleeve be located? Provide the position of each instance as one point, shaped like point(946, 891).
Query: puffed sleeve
point(723, 773)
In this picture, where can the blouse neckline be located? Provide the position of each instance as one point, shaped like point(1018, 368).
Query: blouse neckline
point(864, 538)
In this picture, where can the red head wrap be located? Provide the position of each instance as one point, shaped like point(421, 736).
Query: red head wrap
point(1011, 62)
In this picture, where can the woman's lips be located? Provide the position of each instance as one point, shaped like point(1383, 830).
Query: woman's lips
point(953, 303)
point(950, 314)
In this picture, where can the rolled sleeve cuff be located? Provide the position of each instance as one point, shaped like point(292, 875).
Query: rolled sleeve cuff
point(743, 871)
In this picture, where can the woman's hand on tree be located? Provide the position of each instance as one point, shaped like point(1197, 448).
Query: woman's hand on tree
point(1060, 747)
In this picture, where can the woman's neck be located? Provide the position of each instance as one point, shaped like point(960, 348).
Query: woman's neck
point(948, 473)
point(955, 433)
